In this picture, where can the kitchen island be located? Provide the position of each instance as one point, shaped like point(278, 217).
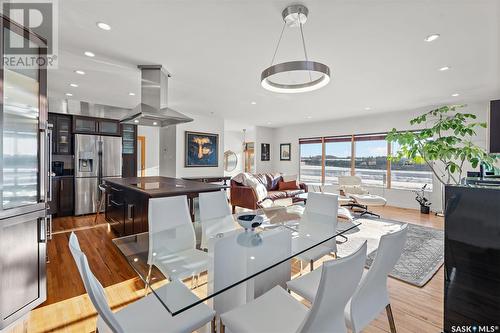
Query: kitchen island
point(127, 199)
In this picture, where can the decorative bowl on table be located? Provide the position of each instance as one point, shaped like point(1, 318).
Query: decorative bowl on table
point(249, 221)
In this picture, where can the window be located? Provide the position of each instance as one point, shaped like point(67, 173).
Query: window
point(405, 174)
point(371, 160)
point(337, 158)
point(323, 160)
point(311, 161)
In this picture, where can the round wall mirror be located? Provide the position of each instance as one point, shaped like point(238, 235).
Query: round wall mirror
point(230, 160)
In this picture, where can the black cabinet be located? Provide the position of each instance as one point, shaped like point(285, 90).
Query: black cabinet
point(62, 135)
point(472, 258)
point(97, 126)
point(125, 211)
point(62, 203)
point(66, 196)
point(129, 150)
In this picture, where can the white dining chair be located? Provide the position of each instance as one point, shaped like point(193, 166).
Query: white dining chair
point(144, 315)
point(215, 215)
point(342, 212)
point(320, 206)
point(372, 296)
point(277, 311)
point(172, 239)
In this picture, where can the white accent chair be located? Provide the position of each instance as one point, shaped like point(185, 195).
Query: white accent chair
point(277, 311)
point(144, 315)
point(351, 186)
point(319, 206)
point(172, 239)
point(215, 215)
point(371, 296)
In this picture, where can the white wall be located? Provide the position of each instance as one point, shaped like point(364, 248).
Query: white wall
point(233, 140)
point(168, 151)
point(152, 136)
point(264, 135)
point(210, 124)
point(360, 125)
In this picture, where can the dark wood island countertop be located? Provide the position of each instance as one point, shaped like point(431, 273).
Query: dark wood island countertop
point(157, 186)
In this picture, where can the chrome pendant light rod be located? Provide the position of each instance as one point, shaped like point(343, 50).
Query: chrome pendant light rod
point(278, 45)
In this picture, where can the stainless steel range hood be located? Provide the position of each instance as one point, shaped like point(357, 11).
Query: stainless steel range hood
point(153, 110)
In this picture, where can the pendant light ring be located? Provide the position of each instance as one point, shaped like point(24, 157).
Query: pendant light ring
point(303, 65)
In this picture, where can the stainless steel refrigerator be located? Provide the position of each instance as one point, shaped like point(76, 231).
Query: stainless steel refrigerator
point(24, 179)
point(96, 157)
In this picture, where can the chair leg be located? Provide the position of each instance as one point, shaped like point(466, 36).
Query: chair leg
point(311, 265)
point(99, 206)
point(301, 267)
point(147, 283)
point(234, 209)
point(213, 325)
point(390, 317)
point(222, 327)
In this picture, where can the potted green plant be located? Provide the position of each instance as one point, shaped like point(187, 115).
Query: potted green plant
point(425, 204)
point(444, 144)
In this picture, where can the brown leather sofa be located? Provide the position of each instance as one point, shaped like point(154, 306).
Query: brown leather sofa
point(244, 196)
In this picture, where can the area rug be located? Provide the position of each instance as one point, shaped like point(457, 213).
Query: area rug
point(422, 255)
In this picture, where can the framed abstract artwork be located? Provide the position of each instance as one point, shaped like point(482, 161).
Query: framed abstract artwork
point(201, 149)
point(265, 152)
point(285, 151)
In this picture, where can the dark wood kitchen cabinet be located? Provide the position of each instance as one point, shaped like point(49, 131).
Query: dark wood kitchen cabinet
point(62, 203)
point(96, 126)
point(129, 150)
point(62, 134)
point(125, 211)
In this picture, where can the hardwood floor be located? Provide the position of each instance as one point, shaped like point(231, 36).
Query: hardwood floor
point(68, 308)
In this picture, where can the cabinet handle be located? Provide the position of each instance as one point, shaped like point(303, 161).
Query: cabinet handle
point(49, 227)
point(49, 162)
point(116, 203)
point(42, 230)
point(129, 211)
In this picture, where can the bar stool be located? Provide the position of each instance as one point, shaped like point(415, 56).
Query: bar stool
point(103, 188)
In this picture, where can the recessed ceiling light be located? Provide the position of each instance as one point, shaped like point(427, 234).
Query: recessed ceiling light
point(89, 54)
point(455, 94)
point(444, 68)
point(69, 94)
point(368, 108)
point(253, 103)
point(80, 72)
point(308, 117)
point(104, 26)
point(136, 121)
point(74, 85)
point(131, 94)
point(155, 123)
point(432, 37)
point(269, 123)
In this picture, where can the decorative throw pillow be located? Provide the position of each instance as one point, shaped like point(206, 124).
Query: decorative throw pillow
point(289, 178)
point(292, 185)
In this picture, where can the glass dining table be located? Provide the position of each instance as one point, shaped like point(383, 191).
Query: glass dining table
point(236, 264)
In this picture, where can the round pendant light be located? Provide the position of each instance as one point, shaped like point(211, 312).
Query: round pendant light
point(318, 73)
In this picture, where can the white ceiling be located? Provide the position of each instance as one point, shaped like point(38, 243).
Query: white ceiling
point(216, 50)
